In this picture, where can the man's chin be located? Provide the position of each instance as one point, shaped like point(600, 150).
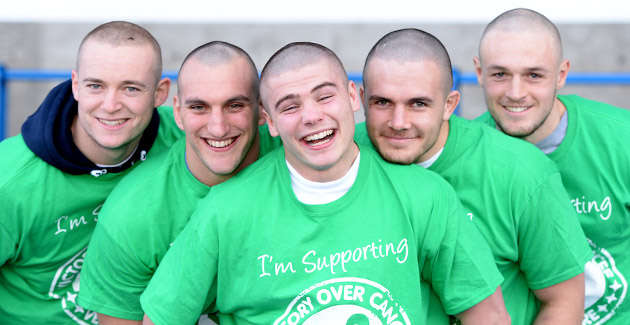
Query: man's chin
point(398, 159)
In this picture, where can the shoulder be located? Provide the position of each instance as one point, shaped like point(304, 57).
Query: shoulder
point(486, 119)
point(601, 112)
point(141, 192)
point(406, 180)
point(261, 172)
point(168, 131)
point(502, 152)
point(20, 164)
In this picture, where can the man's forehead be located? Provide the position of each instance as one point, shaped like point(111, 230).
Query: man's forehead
point(499, 42)
point(198, 78)
point(304, 78)
point(95, 48)
point(414, 74)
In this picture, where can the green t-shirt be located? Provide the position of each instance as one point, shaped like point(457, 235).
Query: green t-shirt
point(594, 162)
point(514, 195)
point(137, 225)
point(381, 252)
point(46, 221)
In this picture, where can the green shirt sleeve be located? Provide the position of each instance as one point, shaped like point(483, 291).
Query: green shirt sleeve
point(113, 278)
point(461, 268)
point(184, 285)
point(552, 245)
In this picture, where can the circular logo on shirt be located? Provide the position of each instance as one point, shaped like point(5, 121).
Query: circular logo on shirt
point(65, 287)
point(605, 287)
point(344, 301)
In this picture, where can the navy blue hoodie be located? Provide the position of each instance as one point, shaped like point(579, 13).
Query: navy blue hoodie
point(48, 134)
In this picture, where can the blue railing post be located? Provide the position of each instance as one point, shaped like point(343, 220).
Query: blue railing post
point(3, 102)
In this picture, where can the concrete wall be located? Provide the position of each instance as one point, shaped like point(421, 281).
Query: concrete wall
point(591, 48)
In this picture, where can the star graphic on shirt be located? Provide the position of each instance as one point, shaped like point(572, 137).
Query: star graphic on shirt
point(79, 309)
point(615, 286)
point(72, 297)
point(611, 298)
point(602, 308)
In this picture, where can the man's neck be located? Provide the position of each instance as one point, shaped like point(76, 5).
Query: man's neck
point(432, 154)
point(332, 173)
point(549, 124)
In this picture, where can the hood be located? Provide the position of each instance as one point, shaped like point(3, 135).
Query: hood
point(48, 134)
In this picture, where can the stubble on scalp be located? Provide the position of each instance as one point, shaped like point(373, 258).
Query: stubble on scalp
point(522, 20)
point(122, 33)
point(411, 45)
point(297, 55)
point(217, 53)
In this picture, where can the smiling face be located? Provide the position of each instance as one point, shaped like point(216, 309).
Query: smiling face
point(407, 109)
point(311, 108)
point(117, 91)
point(218, 110)
point(521, 73)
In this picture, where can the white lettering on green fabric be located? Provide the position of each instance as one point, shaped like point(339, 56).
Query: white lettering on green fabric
point(278, 267)
point(336, 262)
point(65, 223)
point(344, 301)
point(584, 206)
point(601, 305)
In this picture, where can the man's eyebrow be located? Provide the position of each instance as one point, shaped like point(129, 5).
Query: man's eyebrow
point(287, 97)
point(96, 80)
point(500, 67)
point(125, 82)
point(134, 82)
point(322, 85)
point(375, 97)
point(496, 67)
point(195, 101)
point(237, 98)
point(316, 88)
point(423, 99)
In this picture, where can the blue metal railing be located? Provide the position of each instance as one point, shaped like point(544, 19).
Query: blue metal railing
point(459, 79)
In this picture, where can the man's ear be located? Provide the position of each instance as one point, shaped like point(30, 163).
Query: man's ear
point(272, 129)
point(355, 101)
point(451, 103)
point(177, 112)
point(75, 85)
point(161, 91)
point(478, 71)
point(261, 113)
point(363, 101)
point(565, 65)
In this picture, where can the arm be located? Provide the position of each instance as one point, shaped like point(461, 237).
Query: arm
point(562, 303)
point(488, 311)
point(109, 320)
point(147, 321)
point(184, 284)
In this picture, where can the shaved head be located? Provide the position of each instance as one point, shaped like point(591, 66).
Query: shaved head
point(523, 20)
point(122, 33)
point(296, 55)
point(411, 45)
point(217, 53)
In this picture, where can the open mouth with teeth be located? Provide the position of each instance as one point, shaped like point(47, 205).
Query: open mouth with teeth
point(221, 145)
point(112, 123)
point(516, 109)
point(319, 138)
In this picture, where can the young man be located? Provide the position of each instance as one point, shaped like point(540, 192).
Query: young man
point(217, 107)
point(323, 231)
point(73, 150)
point(521, 68)
point(522, 211)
